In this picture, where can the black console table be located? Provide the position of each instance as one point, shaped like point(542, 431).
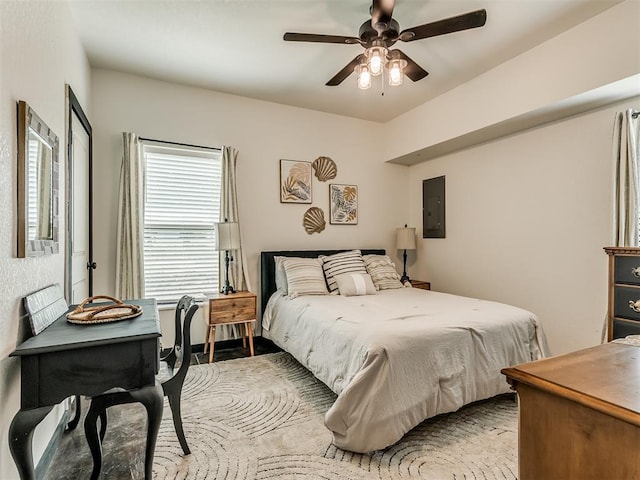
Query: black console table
point(68, 359)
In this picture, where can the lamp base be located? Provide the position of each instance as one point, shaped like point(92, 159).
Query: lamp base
point(404, 277)
point(227, 289)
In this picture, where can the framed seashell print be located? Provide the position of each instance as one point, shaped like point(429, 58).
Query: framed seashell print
point(344, 204)
point(295, 181)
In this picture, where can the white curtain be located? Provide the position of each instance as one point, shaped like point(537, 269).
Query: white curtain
point(129, 242)
point(626, 179)
point(229, 211)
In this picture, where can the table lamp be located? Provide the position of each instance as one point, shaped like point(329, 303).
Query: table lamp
point(405, 240)
point(227, 238)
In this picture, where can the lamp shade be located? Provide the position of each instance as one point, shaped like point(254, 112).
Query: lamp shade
point(406, 238)
point(227, 236)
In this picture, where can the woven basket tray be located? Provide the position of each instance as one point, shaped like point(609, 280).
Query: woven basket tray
point(102, 313)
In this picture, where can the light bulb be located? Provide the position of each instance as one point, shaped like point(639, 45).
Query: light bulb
point(395, 76)
point(376, 57)
point(364, 76)
point(376, 65)
point(395, 72)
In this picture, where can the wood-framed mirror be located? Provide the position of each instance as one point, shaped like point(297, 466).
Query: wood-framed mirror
point(38, 185)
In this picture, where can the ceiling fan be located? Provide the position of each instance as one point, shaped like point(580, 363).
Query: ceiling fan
point(380, 33)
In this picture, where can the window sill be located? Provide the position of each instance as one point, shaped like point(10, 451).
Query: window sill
point(201, 299)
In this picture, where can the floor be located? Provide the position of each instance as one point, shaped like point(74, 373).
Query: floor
point(122, 455)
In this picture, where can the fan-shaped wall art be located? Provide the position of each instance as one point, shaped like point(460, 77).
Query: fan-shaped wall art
point(295, 181)
point(313, 220)
point(344, 204)
point(324, 169)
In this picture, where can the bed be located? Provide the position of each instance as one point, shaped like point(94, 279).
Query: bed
point(397, 357)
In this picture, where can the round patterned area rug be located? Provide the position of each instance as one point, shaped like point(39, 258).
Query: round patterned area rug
point(262, 418)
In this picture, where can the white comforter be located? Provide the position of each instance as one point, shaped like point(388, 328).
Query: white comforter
point(401, 356)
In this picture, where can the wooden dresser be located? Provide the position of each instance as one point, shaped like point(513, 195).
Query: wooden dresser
point(579, 414)
point(623, 313)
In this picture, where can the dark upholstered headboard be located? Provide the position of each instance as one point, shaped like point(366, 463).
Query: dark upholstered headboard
point(268, 267)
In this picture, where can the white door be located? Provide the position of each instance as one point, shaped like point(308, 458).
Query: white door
point(78, 228)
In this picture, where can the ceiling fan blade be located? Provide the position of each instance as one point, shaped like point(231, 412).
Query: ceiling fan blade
point(345, 72)
point(414, 71)
point(381, 12)
point(312, 37)
point(448, 25)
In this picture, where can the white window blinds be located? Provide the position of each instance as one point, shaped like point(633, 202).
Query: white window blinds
point(182, 204)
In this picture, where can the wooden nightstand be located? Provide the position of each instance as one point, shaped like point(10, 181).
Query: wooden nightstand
point(232, 309)
point(420, 284)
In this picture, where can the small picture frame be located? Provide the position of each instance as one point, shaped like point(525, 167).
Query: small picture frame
point(295, 181)
point(344, 204)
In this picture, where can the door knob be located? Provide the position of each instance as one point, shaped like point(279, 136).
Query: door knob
point(91, 265)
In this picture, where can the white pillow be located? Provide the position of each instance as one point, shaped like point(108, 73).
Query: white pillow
point(353, 284)
point(281, 276)
point(304, 277)
point(383, 271)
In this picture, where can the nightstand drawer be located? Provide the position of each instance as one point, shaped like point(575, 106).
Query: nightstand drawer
point(420, 284)
point(231, 316)
point(241, 303)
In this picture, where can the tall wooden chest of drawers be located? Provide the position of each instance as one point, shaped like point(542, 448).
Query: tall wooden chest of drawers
point(623, 314)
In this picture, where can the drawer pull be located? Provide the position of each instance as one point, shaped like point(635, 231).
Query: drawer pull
point(635, 272)
point(635, 306)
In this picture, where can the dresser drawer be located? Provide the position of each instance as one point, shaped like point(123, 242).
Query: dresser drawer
point(622, 328)
point(627, 269)
point(622, 297)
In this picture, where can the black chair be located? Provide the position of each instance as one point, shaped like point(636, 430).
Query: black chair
point(169, 378)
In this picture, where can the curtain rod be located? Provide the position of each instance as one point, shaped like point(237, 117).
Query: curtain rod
point(144, 139)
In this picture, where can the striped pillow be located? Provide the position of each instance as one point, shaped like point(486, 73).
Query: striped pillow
point(339, 263)
point(383, 272)
point(304, 277)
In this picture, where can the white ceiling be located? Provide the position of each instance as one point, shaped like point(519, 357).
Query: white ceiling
point(236, 46)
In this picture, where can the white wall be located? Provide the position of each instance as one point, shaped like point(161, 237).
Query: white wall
point(527, 217)
point(263, 133)
point(39, 53)
point(529, 214)
point(598, 52)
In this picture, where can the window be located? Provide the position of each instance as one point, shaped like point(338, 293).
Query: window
point(182, 205)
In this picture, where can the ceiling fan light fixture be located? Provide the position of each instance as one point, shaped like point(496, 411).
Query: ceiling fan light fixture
point(396, 71)
point(364, 76)
point(381, 32)
point(376, 57)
